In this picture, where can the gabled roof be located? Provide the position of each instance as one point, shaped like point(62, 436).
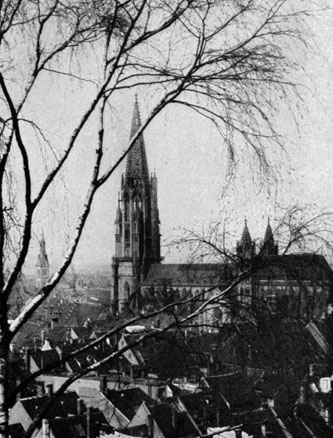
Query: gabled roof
point(203, 407)
point(57, 335)
point(45, 358)
point(171, 421)
point(64, 405)
point(93, 354)
point(76, 426)
point(127, 401)
point(82, 332)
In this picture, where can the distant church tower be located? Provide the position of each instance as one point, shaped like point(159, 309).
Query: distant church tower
point(137, 234)
point(42, 265)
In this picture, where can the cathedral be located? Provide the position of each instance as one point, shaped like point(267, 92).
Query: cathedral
point(140, 281)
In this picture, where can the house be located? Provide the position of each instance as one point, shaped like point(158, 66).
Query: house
point(67, 416)
point(163, 420)
point(120, 405)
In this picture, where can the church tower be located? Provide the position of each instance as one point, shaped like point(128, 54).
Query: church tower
point(42, 265)
point(269, 248)
point(137, 235)
point(245, 247)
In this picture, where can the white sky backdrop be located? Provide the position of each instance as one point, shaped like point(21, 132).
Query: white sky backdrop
point(190, 162)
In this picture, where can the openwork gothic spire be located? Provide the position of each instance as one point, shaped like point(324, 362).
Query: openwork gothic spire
point(136, 165)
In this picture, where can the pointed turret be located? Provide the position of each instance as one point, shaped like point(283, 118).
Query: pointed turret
point(245, 247)
point(269, 247)
point(268, 233)
point(246, 238)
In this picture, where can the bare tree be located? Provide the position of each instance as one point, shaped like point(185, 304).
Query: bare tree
point(225, 60)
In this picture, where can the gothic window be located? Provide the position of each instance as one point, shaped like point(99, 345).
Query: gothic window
point(126, 209)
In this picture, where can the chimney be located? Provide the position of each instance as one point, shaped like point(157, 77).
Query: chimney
point(270, 402)
point(18, 382)
point(263, 430)
point(173, 418)
point(218, 416)
point(79, 407)
point(40, 389)
point(302, 393)
point(238, 433)
point(326, 415)
point(311, 369)
point(89, 435)
point(45, 428)
point(150, 425)
point(103, 383)
point(43, 337)
point(49, 390)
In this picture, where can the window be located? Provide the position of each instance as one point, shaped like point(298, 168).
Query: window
point(126, 209)
point(271, 300)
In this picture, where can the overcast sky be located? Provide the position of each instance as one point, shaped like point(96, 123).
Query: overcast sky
point(190, 159)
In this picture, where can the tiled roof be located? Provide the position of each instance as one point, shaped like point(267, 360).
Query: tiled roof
point(27, 336)
point(299, 267)
point(57, 335)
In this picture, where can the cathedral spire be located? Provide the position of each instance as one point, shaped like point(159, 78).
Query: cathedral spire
point(269, 248)
point(136, 164)
point(137, 236)
point(245, 247)
point(246, 238)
